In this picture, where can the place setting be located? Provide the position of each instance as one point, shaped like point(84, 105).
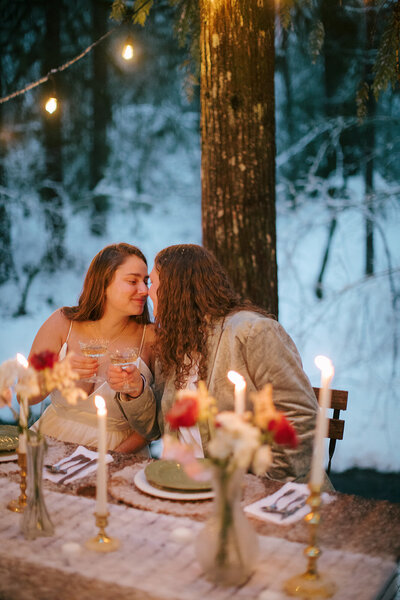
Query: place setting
point(8, 443)
point(168, 479)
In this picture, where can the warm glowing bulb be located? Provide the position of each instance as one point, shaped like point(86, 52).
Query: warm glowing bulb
point(51, 105)
point(237, 379)
point(100, 405)
point(325, 365)
point(127, 52)
point(22, 360)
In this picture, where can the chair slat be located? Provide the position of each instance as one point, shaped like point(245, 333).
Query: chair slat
point(338, 400)
point(336, 429)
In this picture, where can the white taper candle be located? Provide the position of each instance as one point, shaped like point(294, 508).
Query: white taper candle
point(240, 391)
point(23, 411)
point(321, 429)
point(101, 485)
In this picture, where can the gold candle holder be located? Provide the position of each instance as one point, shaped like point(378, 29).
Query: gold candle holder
point(102, 542)
point(311, 584)
point(19, 504)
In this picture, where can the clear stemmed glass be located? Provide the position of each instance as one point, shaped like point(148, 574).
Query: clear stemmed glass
point(94, 348)
point(123, 358)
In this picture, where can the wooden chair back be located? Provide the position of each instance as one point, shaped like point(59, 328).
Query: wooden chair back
point(336, 425)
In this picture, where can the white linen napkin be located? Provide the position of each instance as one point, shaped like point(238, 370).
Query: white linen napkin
point(300, 490)
point(55, 477)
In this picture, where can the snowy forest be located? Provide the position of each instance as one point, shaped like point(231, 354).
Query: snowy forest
point(120, 161)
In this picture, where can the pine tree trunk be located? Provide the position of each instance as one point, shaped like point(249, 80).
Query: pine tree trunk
point(50, 192)
point(238, 143)
point(101, 116)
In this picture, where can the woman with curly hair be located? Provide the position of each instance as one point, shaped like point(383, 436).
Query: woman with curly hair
point(204, 329)
point(111, 307)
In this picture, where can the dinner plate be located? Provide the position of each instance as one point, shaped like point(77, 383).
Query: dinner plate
point(8, 438)
point(144, 486)
point(8, 456)
point(170, 475)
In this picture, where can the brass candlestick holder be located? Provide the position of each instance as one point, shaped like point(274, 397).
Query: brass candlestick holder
point(102, 542)
point(311, 584)
point(19, 504)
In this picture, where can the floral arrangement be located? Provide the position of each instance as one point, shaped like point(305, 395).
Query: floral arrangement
point(227, 546)
point(41, 375)
point(237, 441)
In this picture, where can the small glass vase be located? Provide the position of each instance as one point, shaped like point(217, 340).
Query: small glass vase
point(227, 546)
point(35, 520)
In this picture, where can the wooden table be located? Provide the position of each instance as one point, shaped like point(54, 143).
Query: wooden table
point(360, 540)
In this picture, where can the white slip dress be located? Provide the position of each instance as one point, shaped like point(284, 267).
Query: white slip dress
point(78, 423)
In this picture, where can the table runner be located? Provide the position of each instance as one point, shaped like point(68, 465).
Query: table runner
point(150, 565)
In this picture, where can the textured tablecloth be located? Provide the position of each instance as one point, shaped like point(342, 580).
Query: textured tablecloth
point(150, 565)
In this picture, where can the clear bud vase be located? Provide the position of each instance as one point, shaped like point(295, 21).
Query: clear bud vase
point(227, 546)
point(35, 520)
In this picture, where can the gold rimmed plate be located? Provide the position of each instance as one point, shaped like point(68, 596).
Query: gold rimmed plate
point(170, 475)
point(8, 438)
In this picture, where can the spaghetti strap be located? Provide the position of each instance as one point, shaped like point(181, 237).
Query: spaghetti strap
point(69, 331)
point(142, 341)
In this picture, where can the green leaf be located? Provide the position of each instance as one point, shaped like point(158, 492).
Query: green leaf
point(118, 10)
point(141, 10)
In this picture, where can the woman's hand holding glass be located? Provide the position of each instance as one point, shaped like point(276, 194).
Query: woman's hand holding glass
point(86, 365)
point(123, 375)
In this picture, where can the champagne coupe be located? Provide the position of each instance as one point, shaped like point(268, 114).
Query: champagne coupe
point(94, 348)
point(123, 358)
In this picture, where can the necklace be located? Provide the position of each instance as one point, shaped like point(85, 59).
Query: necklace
point(114, 339)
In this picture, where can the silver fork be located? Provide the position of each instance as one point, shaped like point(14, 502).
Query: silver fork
point(288, 513)
point(274, 506)
point(79, 459)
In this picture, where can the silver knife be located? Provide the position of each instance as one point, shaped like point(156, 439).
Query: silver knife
point(70, 475)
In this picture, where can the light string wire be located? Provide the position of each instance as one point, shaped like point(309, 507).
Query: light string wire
point(66, 65)
point(52, 72)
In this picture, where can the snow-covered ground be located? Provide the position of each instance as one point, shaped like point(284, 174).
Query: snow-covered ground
point(355, 324)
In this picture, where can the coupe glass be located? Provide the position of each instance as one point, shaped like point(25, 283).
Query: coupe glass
point(123, 358)
point(95, 348)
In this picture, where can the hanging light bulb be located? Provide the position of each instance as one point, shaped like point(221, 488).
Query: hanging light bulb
point(51, 105)
point(127, 52)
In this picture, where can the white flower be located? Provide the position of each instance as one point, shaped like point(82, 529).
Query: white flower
point(234, 439)
point(262, 460)
point(8, 373)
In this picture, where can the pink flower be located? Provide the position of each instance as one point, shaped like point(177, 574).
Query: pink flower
point(185, 410)
point(43, 360)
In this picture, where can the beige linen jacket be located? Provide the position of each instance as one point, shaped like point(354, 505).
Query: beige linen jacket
point(260, 350)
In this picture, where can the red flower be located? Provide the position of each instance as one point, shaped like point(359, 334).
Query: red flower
point(184, 412)
point(43, 360)
point(284, 432)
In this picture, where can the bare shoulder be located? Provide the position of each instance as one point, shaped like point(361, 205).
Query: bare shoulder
point(52, 333)
point(150, 333)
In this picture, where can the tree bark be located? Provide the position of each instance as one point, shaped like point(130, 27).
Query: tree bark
point(369, 146)
point(238, 143)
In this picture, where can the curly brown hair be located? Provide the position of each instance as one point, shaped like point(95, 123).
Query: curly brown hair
point(100, 274)
point(194, 292)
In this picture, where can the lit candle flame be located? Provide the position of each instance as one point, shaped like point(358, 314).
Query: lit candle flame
point(51, 105)
point(100, 405)
point(22, 360)
point(325, 365)
point(127, 52)
point(237, 379)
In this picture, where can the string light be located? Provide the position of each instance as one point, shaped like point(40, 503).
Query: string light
point(128, 50)
point(51, 105)
point(68, 64)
